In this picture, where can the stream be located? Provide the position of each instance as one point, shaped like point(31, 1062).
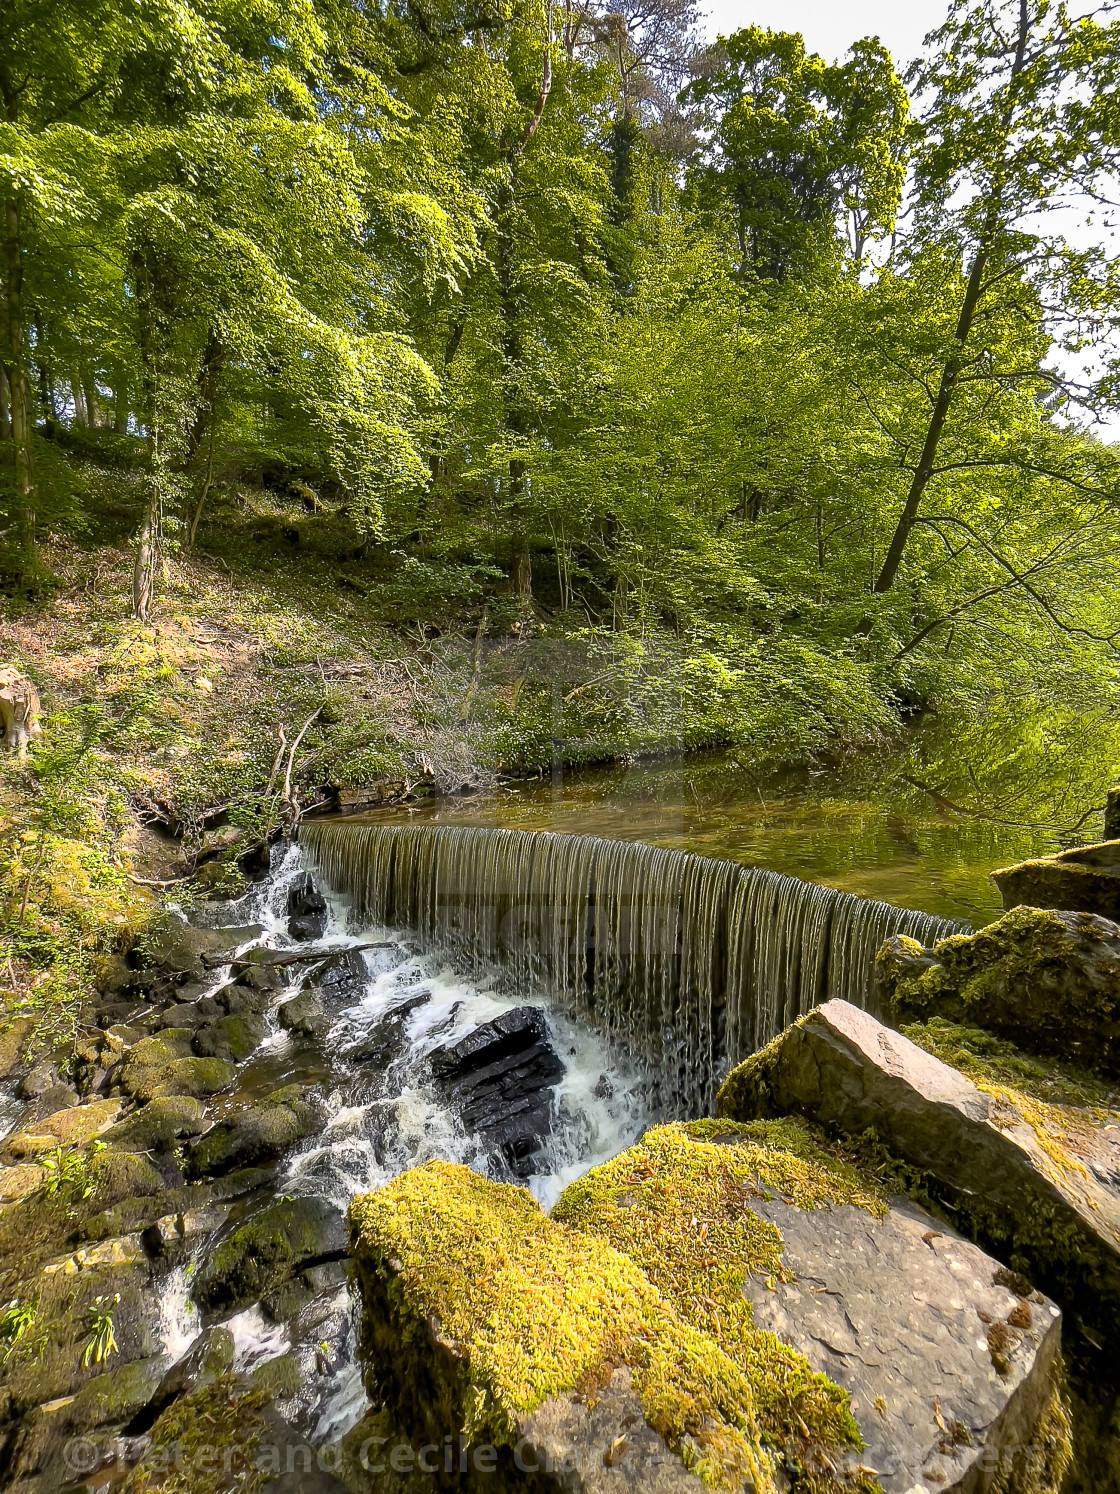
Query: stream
point(387, 1014)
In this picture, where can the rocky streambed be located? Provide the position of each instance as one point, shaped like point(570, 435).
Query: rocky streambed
point(172, 1200)
point(306, 1210)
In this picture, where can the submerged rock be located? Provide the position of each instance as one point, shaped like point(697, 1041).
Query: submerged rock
point(1048, 980)
point(1036, 1184)
point(1085, 879)
point(499, 1078)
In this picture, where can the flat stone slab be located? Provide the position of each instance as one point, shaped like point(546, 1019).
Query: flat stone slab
point(1006, 1181)
point(948, 1370)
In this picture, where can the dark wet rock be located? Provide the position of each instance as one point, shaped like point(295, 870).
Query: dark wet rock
point(158, 1125)
point(304, 1015)
point(166, 1065)
point(342, 979)
point(1021, 1191)
point(284, 1239)
point(1085, 879)
point(499, 1078)
point(174, 1237)
point(242, 997)
point(169, 958)
point(256, 1134)
point(50, 1101)
point(232, 1416)
point(188, 1014)
point(260, 979)
point(233, 1038)
point(1047, 980)
point(306, 908)
point(137, 1214)
point(37, 1080)
point(207, 1359)
point(379, 1046)
point(109, 1400)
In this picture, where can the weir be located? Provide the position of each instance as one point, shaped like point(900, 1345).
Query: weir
point(685, 961)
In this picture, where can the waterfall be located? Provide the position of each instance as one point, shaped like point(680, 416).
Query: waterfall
point(690, 962)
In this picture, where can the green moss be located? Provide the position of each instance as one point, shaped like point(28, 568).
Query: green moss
point(678, 1204)
point(541, 1310)
point(201, 1439)
point(745, 1094)
point(268, 1249)
point(1061, 1105)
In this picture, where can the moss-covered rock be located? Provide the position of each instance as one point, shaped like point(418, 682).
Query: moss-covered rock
point(1031, 1180)
point(232, 1037)
point(479, 1310)
point(1084, 879)
point(165, 1065)
point(1047, 980)
point(274, 1245)
point(304, 1015)
point(258, 1133)
point(73, 1127)
point(158, 1125)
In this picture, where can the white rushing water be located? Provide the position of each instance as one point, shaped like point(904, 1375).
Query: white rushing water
point(385, 1114)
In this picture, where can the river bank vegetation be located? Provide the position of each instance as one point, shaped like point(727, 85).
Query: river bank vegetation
point(401, 394)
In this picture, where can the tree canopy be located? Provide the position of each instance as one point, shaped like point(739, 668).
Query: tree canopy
point(771, 381)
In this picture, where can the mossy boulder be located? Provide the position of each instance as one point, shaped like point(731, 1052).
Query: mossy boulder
point(304, 1015)
point(287, 1237)
point(852, 1318)
point(482, 1314)
point(1084, 879)
point(75, 1126)
point(1036, 1182)
point(1048, 980)
point(107, 1401)
point(158, 1125)
point(256, 1134)
point(165, 1065)
point(232, 1038)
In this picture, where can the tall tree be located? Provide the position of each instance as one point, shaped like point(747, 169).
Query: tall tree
point(796, 146)
point(1021, 119)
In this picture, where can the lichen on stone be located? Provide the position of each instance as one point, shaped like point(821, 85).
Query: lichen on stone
point(678, 1204)
point(538, 1310)
point(1061, 1104)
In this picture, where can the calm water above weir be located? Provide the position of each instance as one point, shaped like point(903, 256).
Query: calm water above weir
point(841, 828)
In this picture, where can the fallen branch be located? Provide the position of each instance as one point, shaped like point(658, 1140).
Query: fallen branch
point(318, 711)
point(305, 957)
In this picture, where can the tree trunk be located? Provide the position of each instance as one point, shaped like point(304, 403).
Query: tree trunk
point(147, 551)
point(520, 566)
point(81, 413)
point(5, 408)
point(951, 372)
point(120, 405)
point(19, 392)
point(924, 470)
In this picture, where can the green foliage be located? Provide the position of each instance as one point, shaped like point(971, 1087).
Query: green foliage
point(16, 1321)
point(427, 297)
point(72, 1175)
point(102, 1339)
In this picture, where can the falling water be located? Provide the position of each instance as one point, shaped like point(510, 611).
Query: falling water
point(693, 962)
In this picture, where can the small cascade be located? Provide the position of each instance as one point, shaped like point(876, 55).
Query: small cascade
point(693, 963)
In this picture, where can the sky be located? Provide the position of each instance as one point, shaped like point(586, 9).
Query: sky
point(831, 26)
